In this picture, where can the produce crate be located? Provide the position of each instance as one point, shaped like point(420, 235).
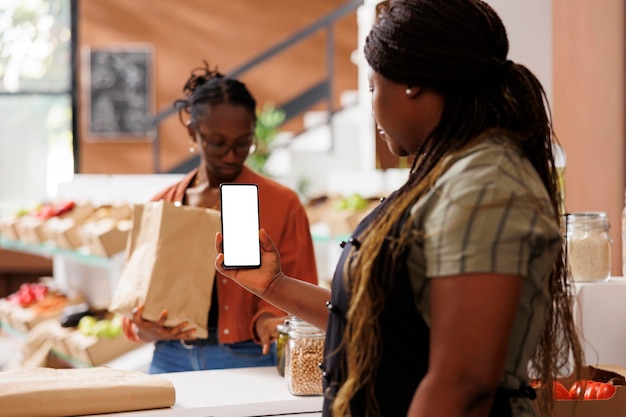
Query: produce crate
point(614, 406)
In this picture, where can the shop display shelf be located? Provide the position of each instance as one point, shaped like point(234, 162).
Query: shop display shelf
point(11, 331)
point(49, 250)
point(77, 270)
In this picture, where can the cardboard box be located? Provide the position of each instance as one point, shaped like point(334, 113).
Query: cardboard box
point(612, 407)
point(64, 233)
point(105, 237)
point(8, 228)
point(59, 347)
point(24, 319)
point(42, 340)
point(6, 307)
point(10, 316)
point(30, 230)
point(94, 351)
point(113, 212)
point(79, 213)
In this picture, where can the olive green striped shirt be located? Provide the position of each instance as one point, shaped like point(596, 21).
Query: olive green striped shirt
point(489, 212)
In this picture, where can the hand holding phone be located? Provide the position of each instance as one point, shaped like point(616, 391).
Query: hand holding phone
point(239, 205)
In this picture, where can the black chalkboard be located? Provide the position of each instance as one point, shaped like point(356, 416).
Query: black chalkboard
point(119, 92)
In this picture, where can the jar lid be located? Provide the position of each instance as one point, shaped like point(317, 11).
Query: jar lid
point(297, 325)
point(589, 219)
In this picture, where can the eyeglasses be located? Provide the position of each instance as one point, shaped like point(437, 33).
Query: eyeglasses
point(222, 149)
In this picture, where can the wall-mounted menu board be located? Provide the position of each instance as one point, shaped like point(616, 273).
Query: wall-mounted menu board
point(120, 92)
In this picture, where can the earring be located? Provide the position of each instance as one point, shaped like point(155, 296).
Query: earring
point(192, 149)
point(408, 91)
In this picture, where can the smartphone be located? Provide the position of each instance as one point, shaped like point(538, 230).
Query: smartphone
point(239, 205)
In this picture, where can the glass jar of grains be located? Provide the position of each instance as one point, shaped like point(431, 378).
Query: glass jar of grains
point(281, 343)
point(303, 355)
point(588, 246)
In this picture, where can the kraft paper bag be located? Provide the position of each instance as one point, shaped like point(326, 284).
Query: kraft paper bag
point(170, 264)
point(47, 392)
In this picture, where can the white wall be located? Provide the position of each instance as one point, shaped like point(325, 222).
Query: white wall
point(102, 189)
point(529, 27)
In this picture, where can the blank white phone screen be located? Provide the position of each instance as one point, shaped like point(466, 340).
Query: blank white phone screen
point(240, 225)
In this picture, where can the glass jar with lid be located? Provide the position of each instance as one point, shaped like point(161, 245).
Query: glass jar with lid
point(303, 354)
point(588, 246)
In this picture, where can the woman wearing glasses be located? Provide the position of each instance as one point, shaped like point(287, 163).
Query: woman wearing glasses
point(453, 293)
point(220, 117)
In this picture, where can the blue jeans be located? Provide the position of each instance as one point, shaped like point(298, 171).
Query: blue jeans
point(173, 356)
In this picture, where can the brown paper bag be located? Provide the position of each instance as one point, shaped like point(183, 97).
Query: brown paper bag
point(47, 392)
point(134, 231)
point(170, 264)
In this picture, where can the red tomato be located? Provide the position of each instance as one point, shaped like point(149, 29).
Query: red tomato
point(26, 299)
point(577, 390)
point(585, 389)
point(605, 390)
point(591, 391)
point(64, 207)
point(559, 391)
point(45, 212)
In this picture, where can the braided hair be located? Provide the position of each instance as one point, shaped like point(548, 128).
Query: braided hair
point(208, 87)
point(459, 49)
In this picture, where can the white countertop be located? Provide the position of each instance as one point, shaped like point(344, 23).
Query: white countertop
point(598, 309)
point(240, 392)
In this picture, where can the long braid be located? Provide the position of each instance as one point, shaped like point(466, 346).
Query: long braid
point(457, 48)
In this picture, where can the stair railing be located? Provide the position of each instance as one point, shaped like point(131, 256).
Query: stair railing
point(323, 91)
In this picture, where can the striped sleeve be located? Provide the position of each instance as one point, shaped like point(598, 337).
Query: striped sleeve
point(487, 215)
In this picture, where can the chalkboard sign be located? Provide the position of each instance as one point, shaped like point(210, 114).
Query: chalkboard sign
point(120, 96)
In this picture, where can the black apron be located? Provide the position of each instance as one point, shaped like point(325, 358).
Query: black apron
point(405, 345)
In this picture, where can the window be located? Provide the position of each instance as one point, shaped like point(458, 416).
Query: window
point(36, 111)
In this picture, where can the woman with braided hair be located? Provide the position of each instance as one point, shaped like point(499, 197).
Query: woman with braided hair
point(219, 114)
point(453, 293)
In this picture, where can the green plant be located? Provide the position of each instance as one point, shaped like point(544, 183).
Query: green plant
point(269, 119)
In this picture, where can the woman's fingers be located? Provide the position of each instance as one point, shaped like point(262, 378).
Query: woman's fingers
point(130, 330)
point(188, 334)
point(155, 330)
point(266, 243)
point(161, 319)
point(218, 242)
point(219, 260)
point(137, 312)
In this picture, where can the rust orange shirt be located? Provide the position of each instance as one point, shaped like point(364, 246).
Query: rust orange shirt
point(283, 217)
